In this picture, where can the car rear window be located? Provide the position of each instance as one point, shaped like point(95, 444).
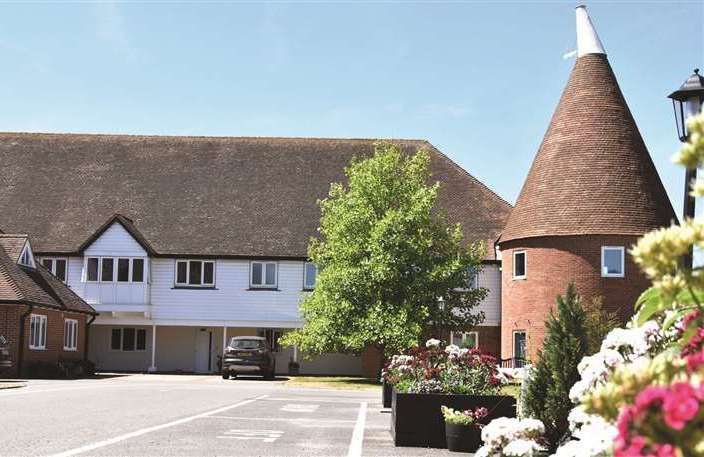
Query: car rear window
point(247, 344)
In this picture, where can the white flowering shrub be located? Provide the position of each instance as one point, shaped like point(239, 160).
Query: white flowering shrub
point(511, 437)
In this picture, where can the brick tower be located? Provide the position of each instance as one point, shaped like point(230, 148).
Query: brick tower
point(591, 192)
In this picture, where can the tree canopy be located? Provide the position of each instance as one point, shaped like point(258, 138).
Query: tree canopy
point(391, 269)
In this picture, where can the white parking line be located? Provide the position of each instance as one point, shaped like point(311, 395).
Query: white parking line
point(144, 431)
point(355, 449)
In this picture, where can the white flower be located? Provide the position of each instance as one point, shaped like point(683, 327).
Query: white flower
point(432, 343)
point(483, 451)
point(531, 426)
point(452, 349)
point(521, 448)
point(578, 390)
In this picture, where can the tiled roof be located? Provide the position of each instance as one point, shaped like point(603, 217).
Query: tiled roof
point(592, 173)
point(36, 286)
point(216, 196)
point(13, 244)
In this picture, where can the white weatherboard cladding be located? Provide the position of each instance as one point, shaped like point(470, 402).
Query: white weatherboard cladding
point(490, 278)
point(230, 301)
point(114, 242)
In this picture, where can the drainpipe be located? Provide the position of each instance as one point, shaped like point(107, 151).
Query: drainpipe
point(20, 348)
point(85, 342)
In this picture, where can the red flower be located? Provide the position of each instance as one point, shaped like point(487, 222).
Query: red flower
point(680, 405)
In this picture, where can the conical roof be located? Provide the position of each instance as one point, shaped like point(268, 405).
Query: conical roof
point(592, 173)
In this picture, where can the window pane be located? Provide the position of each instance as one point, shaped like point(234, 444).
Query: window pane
point(137, 270)
point(472, 278)
point(123, 270)
point(61, 269)
point(194, 272)
point(66, 334)
point(519, 345)
point(470, 340)
point(612, 261)
point(519, 266)
point(181, 275)
point(311, 273)
point(92, 269)
point(141, 339)
point(32, 331)
point(128, 339)
point(48, 264)
point(256, 273)
point(115, 343)
point(208, 272)
point(270, 274)
point(106, 273)
point(42, 331)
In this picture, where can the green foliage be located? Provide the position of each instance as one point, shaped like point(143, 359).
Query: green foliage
point(599, 322)
point(385, 256)
point(547, 394)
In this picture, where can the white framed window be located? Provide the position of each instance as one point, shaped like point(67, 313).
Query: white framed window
point(114, 269)
point(26, 257)
point(57, 266)
point(70, 334)
point(310, 274)
point(612, 261)
point(469, 340)
point(263, 275)
point(473, 278)
point(37, 332)
point(519, 264)
point(128, 339)
point(195, 273)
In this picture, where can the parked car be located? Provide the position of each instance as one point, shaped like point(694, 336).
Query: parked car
point(248, 355)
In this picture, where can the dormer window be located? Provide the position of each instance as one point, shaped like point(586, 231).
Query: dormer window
point(26, 258)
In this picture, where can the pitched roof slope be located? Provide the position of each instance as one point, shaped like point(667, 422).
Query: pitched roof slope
point(592, 173)
point(218, 196)
point(36, 286)
point(13, 244)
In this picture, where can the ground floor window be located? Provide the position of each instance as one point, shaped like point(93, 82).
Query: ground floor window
point(70, 334)
point(37, 331)
point(519, 344)
point(128, 339)
point(468, 340)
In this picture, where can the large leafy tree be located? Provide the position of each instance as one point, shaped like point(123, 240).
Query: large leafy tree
point(391, 269)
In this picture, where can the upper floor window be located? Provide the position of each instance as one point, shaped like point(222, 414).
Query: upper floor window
point(114, 269)
point(37, 331)
point(612, 261)
point(310, 275)
point(519, 264)
point(196, 273)
point(70, 334)
point(56, 266)
point(263, 275)
point(26, 257)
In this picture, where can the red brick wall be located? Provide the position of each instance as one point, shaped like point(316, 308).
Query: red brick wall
point(551, 264)
point(9, 325)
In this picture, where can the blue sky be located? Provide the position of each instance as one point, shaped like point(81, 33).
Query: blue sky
point(479, 80)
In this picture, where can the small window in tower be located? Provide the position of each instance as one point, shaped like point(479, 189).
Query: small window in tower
point(519, 264)
point(612, 261)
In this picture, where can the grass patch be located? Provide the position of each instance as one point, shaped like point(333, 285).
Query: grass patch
point(333, 382)
point(511, 389)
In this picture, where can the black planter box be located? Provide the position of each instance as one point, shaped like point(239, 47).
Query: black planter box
point(386, 391)
point(462, 438)
point(416, 419)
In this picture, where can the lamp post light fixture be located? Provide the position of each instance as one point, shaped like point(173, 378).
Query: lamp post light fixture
point(687, 102)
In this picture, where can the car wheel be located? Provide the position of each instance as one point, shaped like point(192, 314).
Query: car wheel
point(225, 375)
point(270, 374)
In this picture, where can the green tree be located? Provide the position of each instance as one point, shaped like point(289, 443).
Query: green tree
point(599, 322)
point(390, 268)
point(565, 344)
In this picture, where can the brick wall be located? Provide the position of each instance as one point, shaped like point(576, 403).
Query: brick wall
point(551, 264)
point(9, 325)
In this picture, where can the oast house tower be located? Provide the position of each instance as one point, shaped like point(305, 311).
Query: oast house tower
point(591, 191)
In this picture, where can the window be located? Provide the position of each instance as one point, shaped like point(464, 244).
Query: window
point(198, 273)
point(310, 274)
point(26, 257)
point(114, 269)
point(92, 269)
point(468, 340)
point(519, 344)
point(37, 331)
point(70, 334)
point(519, 264)
point(57, 267)
point(473, 278)
point(612, 259)
point(128, 339)
point(263, 275)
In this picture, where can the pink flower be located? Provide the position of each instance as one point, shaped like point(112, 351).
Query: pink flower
point(680, 405)
point(648, 396)
point(665, 450)
point(634, 449)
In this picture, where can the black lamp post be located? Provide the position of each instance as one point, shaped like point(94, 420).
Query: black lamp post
point(687, 102)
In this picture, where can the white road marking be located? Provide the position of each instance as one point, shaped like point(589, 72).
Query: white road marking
point(144, 431)
point(299, 408)
point(355, 449)
point(267, 436)
point(316, 399)
point(30, 390)
point(303, 420)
